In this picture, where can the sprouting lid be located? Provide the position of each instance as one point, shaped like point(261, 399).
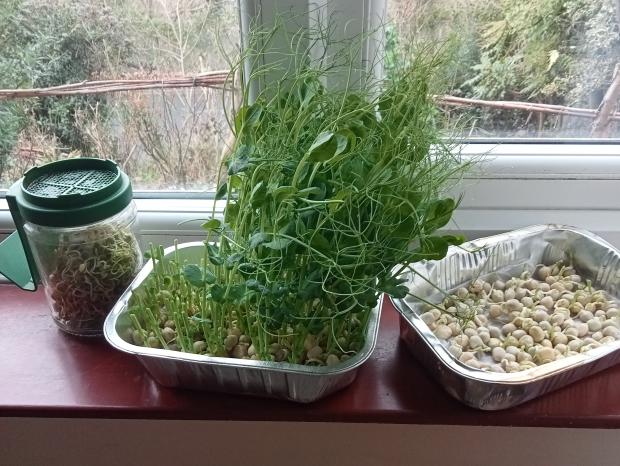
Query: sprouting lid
point(72, 192)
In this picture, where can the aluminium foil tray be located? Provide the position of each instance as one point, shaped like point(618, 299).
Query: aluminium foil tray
point(502, 256)
point(293, 382)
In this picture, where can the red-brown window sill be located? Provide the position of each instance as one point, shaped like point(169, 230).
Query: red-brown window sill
point(46, 373)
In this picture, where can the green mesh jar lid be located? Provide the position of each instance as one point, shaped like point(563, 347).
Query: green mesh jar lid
point(72, 192)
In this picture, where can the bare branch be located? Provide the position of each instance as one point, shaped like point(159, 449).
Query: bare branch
point(217, 80)
point(600, 126)
point(212, 79)
point(525, 106)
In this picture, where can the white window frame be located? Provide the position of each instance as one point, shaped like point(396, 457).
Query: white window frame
point(512, 186)
point(517, 184)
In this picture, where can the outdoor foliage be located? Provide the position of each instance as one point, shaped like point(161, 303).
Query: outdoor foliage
point(547, 51)
point(46, 44)
point(170, 139)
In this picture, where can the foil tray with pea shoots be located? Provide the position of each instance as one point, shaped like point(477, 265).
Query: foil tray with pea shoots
point(525, 313)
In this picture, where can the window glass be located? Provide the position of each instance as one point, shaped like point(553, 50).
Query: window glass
point(164, 139)
point(521, 69)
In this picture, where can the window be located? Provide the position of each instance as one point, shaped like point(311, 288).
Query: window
point(169, 139)
point(541, 180)
point(533, 69)
point(535, 84)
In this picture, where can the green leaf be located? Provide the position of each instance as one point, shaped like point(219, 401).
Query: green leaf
point(275, 320)
point(247, 117)
point(283, 192)
point(258, 195)
point(255, 285)
point(300, 227)
point(338, 199)
point(246, 269)
point(240, 160)
point(306, 92)
point(217, 293)
point(385, 176)
point(212, 224)
point(231, 212)
point(209, 277)
point(214, 255)
point(307, 192)
point(320, 192)
point(235, 181)
point(221, 192)
point(414, 197)
point(322, 148)
point(398, 292)
point(454, 239)
point(193, 274)
point(438, 214)
point(257, 239)
point(350, 136)
point(304, 170)
point(253, 115)
point(320, 243)
point(431, 248)
point(278, 243)
point(393, 286)
point(342, 142)
point(310, 290)
point(358, 129)
point(288, 229)
point(237, 292)
point(406, 228)
point(357, 168)
point(279, 290)
point(233, 259)
point(328, 146)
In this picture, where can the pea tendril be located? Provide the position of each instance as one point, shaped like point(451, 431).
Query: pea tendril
point(327, 192)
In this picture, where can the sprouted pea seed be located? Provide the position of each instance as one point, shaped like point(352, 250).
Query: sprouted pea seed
point(526, 321)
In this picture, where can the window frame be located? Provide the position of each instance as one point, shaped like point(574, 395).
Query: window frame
point(580, 182)
point(576, 177)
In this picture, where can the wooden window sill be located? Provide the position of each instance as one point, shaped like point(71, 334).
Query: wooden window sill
point(46, 373)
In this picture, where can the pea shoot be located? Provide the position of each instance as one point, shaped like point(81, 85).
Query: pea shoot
point(330, 193)
point(89, 276)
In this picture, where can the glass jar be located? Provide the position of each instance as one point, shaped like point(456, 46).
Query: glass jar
point(84, 269)
point(74, 221)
